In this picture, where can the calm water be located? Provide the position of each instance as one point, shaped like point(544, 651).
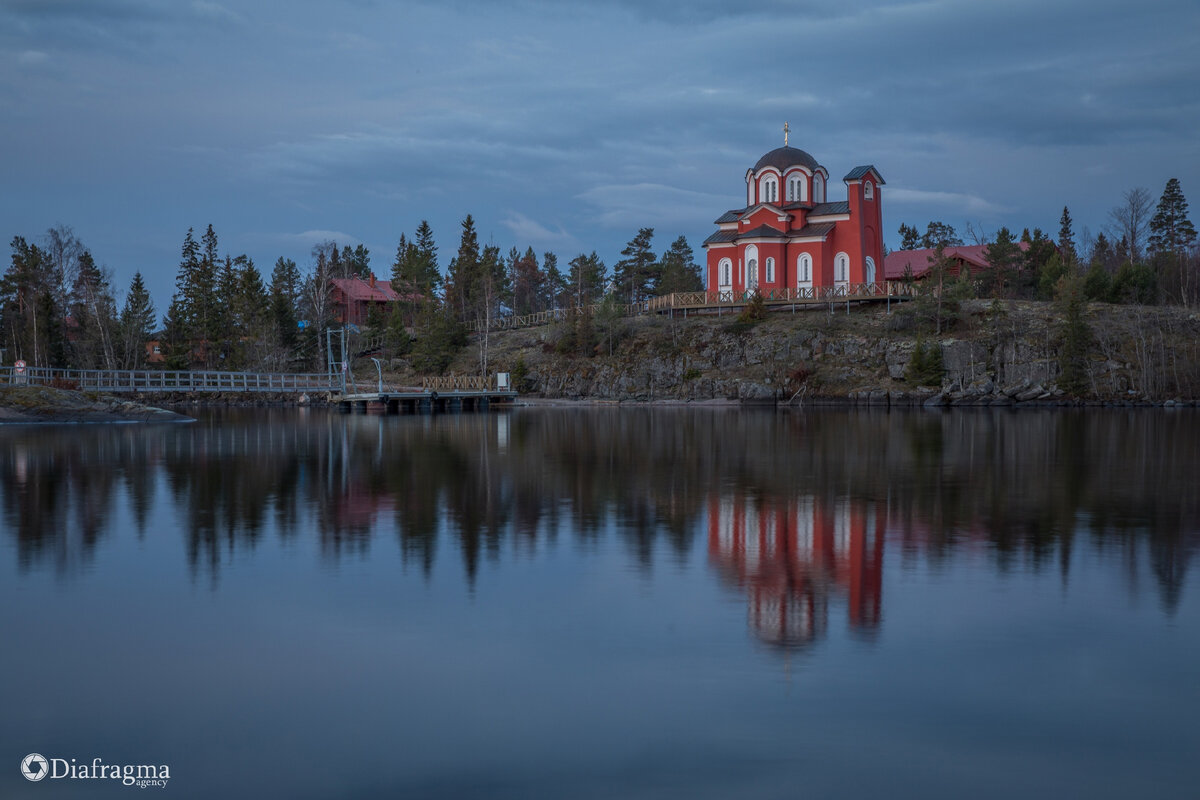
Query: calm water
point(607, 603)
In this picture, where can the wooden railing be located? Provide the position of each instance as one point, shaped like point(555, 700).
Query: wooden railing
point(807, 294)
point(459, 383)
point(700, 300)
point(149, 381)
point(510, 322)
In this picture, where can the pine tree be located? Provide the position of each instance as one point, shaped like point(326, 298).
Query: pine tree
point(1066, 239)
point(940, 234)
point(93, 312)
point(528, 283)
point(284, 299)
point(136, 325)
point(680, 273)
point(638, 272)
point(27, 278)
point(428, 275)
point(587, 279)
point(910, 237)
point(463, 276)
point(556, 282)
point(1004, 258)
point(1170, 229)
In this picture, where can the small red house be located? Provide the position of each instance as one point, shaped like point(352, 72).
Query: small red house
point(972, 257)
point(352, 298)
point(790, 236)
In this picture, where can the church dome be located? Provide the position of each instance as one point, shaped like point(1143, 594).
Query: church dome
point(783, 157)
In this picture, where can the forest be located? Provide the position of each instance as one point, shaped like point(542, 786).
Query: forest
point(58, 306)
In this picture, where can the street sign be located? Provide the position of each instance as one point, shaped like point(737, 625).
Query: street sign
point(20, 366)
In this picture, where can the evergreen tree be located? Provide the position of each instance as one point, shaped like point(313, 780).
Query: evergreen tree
point(136, 326)
point(24, 330)
point(587, 279)
point(284, 299)
point(1066, 239)
point(93, 312)
point(638, 272)
point(1004, 258)
point(556, 282)
point(910, 237)
point(1170, 229)
point(426, 271)
point(940, 234)
point(680, 273)
point(463, 275)
point(529, 284)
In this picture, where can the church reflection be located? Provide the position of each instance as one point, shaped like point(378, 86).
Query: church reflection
point(796, 558)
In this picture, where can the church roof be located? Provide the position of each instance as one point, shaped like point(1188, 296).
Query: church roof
point(763, 232)
point(842, 207)
point(814, 229)
point(721, 237)
point(859, 172)
point(730, 216)
point(783, 157)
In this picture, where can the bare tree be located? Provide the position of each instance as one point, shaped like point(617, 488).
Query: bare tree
point(1131, 219)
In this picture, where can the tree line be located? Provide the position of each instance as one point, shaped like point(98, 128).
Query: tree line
point(1148, 254)
point(58, 307)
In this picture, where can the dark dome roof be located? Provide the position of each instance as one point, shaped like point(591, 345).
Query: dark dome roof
point(783, 157)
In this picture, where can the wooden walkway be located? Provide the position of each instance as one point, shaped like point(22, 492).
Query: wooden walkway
point(713, 303)
point(444, 393)
point(145, 381)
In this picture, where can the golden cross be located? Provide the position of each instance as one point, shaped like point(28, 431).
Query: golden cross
point(785, 134)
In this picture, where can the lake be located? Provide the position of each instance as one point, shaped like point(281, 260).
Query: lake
point(600, 603)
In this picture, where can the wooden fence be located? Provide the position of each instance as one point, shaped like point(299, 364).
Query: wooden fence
point(696, 301)
point(154, 381)
point(459, 383)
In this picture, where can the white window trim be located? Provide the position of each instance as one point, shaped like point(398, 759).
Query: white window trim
point(803, 271)
point(769, 274)
point(841, 263)
point(724, 273)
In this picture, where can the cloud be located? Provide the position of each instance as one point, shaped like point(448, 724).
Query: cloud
point(961, 201)
point(652, 204)
point(533, 232)
point(215, 12)
point(32, 58)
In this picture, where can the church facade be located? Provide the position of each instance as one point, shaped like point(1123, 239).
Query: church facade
point(789, 235)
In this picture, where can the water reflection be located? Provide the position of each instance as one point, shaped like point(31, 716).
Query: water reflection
point(792, 557)
point(795, 508)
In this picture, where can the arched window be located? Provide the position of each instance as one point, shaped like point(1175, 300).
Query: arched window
point(751, 267)
point(725, 273)
point(869, 190)
point(770, 190)
point(799, 188)
point(870, 271)
point(770, 276)
point(841, 269)
point(804, 270)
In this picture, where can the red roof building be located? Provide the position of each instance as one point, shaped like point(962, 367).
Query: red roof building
point(790, 236)
point(973, 257)
point(353, 298)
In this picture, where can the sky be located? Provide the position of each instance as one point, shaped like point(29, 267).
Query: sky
point(567, 126)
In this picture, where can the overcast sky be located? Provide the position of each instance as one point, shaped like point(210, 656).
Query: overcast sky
point(567, 126)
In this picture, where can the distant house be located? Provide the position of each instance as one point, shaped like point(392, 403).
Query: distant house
point(973, 257)
point(353, 298)
point(154, 353)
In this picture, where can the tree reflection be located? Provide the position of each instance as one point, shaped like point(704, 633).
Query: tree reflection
point(795, 507)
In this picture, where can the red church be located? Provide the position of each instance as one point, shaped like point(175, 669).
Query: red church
point(789, 236)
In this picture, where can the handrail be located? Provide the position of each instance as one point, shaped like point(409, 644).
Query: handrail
point(141, 381)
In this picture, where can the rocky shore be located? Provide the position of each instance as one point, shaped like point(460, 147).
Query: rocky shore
point(994, 354)
point(29, 404)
